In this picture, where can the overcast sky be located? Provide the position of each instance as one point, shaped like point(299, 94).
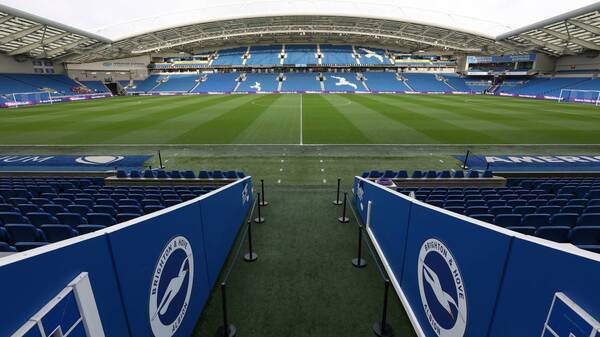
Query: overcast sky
point(117, 19)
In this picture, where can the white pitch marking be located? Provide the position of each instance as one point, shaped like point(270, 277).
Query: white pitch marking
point(324, 181)
point(322, 170)
point(301, 133)
point(320, 161)
point(281, 170)
point(279, 181)
point(282, 160)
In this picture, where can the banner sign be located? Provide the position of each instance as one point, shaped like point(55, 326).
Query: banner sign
point(545, 163)
point(149, 277)
point(91, 162)
point(460, 277)
point(12, 104)
point(501, 59)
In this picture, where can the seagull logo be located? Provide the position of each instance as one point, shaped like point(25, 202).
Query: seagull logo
point(369, 53)
point(443, 298)
point(245, 194)
point(343, 81)
point(171, 287)
point(442, 290)
point(256, 86)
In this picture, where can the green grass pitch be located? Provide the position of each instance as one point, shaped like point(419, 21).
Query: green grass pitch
point(303, 119)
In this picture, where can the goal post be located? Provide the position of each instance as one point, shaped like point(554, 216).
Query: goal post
point(580, 96)
point(31, 97)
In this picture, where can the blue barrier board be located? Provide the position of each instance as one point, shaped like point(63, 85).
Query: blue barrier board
point(529, 163)
point(78, 163)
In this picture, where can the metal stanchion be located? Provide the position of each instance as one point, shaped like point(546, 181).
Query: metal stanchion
point(344, 218)
point(382, 328)
point(262, 201)
point(226, 330)
point(337, 200)
point(259, 219)
point(251, 256)
point(359, 262)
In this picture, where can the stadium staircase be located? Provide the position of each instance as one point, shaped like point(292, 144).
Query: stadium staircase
point(404, 80)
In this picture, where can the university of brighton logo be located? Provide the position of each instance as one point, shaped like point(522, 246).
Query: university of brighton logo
point(442, 290)
point(171, 287)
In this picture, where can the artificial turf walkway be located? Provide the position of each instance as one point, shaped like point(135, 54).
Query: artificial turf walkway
point(303, 283)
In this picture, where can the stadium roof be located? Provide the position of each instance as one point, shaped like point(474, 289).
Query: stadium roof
point(110, 29)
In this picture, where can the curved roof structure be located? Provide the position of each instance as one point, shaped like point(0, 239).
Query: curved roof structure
point(114, 29)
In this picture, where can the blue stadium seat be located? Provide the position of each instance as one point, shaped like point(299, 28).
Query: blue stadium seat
point(473, 174)
point(431, 174)
point(25, 246)
point(456, 209)
point(524, 210)
point(80, 209)
point(488, 174)
point(508, 220)
point(548, 210)
point(86, 229)
point(135, 174)
point(497, 210)
point(103, 219)
point(130, 209)
point(18, 201)
point(161, 174)
point(554, 233)
point(573, 209)
point(175, 174)
point(593, 202)
point(564, 219)
point(24, 233)
point(537, 203)
point(129, 202)
point(489, 218)
point(476, 210)
point(71, 219)
point(417, 174)
point(149, 174)
point(402, 174)
point(152, 208)
point(592, 209)
point(577, 202)
point(9, 208)
point(172, 202)
point(585, 236)
point(87, 202)
point(55, 233)
point(458, 174)
point(53, 209)
point(40, 201)
point(63, 201)
point(41, 218)
point(536, 220)
point(121, 174)
point(105, 209)
point(205, 175)
point(189, 175)
point(12, 218)
point(475, 203)
point(523, 230)
point(589, 219)
point(219, 175)
point(106, 202)
point(123, 217)
point(6, 248)
point(516, 203)
point(28, 208)
point(558, 202)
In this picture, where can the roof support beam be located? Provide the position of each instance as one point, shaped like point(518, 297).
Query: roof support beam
point(6, 18)
point(567, 38)
point(20, 34)
point(32, 46)
point(544, 44)
point(587, 27)
point(67, 47)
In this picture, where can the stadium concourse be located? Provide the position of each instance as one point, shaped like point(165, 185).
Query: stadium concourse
point(360, 168)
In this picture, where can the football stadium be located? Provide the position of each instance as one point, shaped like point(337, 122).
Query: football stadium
point(299, 168)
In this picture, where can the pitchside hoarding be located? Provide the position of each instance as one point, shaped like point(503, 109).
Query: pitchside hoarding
point(461, 277)
point(510, 163)
point(149, 276)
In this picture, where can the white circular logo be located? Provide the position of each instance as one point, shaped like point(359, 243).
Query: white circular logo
point(442, 290)
point(171, 287)
point(99, 160)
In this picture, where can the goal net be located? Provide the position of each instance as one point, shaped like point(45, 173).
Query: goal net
point(580, 96)
point(30, 97)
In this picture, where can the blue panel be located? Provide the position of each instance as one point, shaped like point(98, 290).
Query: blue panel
point(389, 221)
point(63, 315)
point(534, 273)
point(566, 322)
point(477, 253)
point(222, 216)
point(154, 271)
point(34, 281)
point(510, 163)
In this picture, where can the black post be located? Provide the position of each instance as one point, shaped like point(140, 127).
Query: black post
point(382, 328)
point(160, 160)
point(337, 200)
point(226, 330)
point(262, 201)
point(250, 256)
point(359, 262)
point(344, 218)
point(260, 219)
point(466, 159)
point(487, 167)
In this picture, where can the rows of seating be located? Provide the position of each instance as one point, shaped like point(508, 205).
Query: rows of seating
point(548, 86)
point(555, 211)
point(38, 211)
point(57, 84)
point(176, 174)
point(431, 174)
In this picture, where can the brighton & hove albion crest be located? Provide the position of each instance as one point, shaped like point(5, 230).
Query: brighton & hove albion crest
point(442, 290)
point(171, 287)
point(99, 160)
point(246, 194)
point(360, 193)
